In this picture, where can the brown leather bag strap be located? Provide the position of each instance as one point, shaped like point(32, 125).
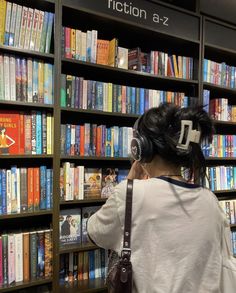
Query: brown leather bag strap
point(128, 218)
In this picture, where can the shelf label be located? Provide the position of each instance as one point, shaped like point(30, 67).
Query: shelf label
point(153, 16)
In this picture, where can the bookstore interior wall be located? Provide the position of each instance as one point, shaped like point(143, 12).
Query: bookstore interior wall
point(74, 77)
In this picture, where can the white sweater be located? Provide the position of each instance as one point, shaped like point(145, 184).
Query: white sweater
point(175, 239)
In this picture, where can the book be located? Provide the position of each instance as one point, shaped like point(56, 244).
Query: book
point(9, 132)
point(92, 182)
point(70, 226)
point(109, 181)
point(86, 213)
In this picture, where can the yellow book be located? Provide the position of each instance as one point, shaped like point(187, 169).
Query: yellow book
point(49, 133)
point(73, 42)
point(112, 55)
point(176, 71)
point(180, 66)
point(41, 82)
point(3, 7)
point(109, 98)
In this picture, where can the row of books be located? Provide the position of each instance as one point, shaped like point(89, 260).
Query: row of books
point(25, 189)
point(233, 238)
point(219, 109)
point(221, 178)
point(219, 73)
point(78, 93)
point(78, 182)
point(93, 140)
point(86, 46)
point(229, 208)
point(221, 146)
point(73, 225)
point(25, 80)
point(26, 133)
point(25, 256)
point(85, 265)
point(25, 28)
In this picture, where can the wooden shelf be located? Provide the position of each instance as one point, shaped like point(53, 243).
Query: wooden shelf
point(89, 158)
point(26, 104)
point(30, 53)
point(216, 87)
point(220, 49)
point(131, 77)
point(220, 159)
point(227, 123)
point(21, 285)
point(77, 247)
point(96, 285)
point(232, 226)
point(217, 192)
point(83, 201)
point(24, 215)
point(10, 157)
point(101, 113)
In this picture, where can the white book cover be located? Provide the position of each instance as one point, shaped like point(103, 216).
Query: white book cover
point(94, 35)
point(85, 94)
point(34, 29)
point(18, 25)
point(28, 28)
point(19, 256)
point(24, 17)
point(12, 73)
point(83, 56)
point(29, 80)
point(2, 84)
point(7, 23)
point(78, 40)
point(81, 182)
point(39, 31)
point(7, 78)
point(13, 24)
point(11, 259)
point(72, 180)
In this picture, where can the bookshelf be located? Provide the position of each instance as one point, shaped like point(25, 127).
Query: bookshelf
point(188, 33)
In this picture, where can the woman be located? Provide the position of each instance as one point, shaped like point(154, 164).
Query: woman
point(176, 225)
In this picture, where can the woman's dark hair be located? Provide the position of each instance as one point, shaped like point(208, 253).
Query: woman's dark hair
point(162, 125)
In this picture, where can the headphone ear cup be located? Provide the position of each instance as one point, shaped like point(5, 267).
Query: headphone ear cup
point(141, 149)
point(147, 149)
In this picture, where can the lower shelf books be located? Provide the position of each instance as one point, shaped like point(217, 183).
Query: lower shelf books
point(25, 256)
point(78, 182)
point(78, 266)
point(73, 225)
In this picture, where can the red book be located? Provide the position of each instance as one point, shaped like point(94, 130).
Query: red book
point(30, 189)
point(82, 140)
point(68, 42)
point(9, 132)
point(36, 187)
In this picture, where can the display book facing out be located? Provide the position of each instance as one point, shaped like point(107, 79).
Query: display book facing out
point(155, 50)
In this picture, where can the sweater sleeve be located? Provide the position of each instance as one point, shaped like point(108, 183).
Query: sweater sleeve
point(104, 227)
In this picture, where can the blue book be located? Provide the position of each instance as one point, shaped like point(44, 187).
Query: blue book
point(48, 189)
point(133, 99)
point(91, 264)
point(77, 140)
point(49, 33)
point(41, 254)
point(108, 142)
point(142, 100)
point(99, 96)
point(116, 152)
point(42, 204)
point(103, 263)
point(68, 139)
point(38, 133)
point(206, 100)
point(4, 191)
point(51, 188)
point(232, 77)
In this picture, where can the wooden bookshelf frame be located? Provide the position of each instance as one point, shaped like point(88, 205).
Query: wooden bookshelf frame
point(124, 77)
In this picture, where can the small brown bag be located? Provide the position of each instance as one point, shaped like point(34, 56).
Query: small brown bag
point(119, 277)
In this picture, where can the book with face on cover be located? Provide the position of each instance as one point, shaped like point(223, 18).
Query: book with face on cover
point(70, 226)
point(109, 181)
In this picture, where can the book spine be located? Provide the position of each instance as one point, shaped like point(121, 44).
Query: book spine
point(12, 25)
point(1, 269)
point(19, 256)
point(48, 254)
point(23, 190)
point(49, 33)
point(24, 17)
point(33, 132)
point(7, 78)
point(12, 68)
point(30, 183)
point(42, 187)
point(3, 8)
point(7, 23)
point(41, 254)
point(11, 259)
point(23, 80)
point(5, 258)
point(18, 25)
point(33, 255)
point(26, 257)
point(39, 31)
point(28, 28)
point(34, 29)
point(44, 32)
point(2, 94)
point(36, 185)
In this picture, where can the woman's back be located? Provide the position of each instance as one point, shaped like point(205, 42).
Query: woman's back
point(175, 238)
